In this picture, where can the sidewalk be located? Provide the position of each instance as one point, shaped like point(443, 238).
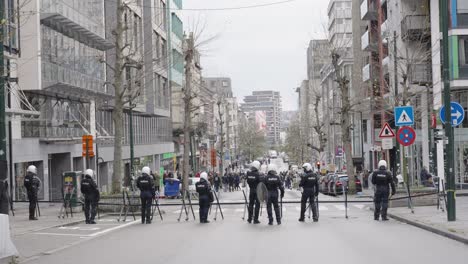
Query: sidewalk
point(433, 220)
point(20, 223)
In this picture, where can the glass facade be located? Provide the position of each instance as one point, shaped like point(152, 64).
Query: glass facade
point(67, 61)
point(10, 27)
point(87, 13)
point(59, 119)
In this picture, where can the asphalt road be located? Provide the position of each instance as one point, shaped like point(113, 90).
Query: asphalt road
point(333, 239)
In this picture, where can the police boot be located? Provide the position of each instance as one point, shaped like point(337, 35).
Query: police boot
point(278, 217)
point(31, 214)
point(384, 215)
point(376, 217)
point(256, 221)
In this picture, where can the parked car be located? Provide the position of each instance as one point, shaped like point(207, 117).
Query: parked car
point(338, 182)
point(323, 184)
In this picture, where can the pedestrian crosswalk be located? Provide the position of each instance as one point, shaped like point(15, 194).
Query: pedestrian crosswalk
point(322, 207)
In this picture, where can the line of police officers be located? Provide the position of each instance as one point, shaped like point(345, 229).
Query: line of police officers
point(381, 178)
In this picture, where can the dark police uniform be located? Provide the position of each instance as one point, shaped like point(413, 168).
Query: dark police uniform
point(32, 184)
point(91, 194)
point(146, 185)
point(382, 178)
point(217, 182)
point(253, 179)
point(205, 198)
point(310, 184)
point(273, 183)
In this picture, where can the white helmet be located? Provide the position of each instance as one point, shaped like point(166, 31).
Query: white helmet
point(32, 169)
point(263, 168)
point(146, 170)
point(383, 163)
point(272, 167)
point(89, 172)
point(204, 175)
point(307, 167)
point(255, 164)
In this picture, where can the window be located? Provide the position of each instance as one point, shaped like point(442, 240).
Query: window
point(225, 84)
point(163, 15)
point(463, 57)
point(156, 88)
point(157, 48)
point(135, 32)
point(163, 52)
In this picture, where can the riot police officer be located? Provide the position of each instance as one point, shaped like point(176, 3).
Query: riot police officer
point(205, 197)
point(273, 183)
point(253, 179)
point(310, 185)
point(382, 178)
point(91, 194)
point(146, 185)
point(217, 182)
point(32, 184)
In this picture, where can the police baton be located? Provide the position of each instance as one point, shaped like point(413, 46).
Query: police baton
point(38, 209)
point(281, 204)
point(245, 204)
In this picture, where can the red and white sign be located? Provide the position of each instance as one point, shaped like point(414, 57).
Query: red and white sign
point(386, 132)
point(406, 136)
point(260, 120)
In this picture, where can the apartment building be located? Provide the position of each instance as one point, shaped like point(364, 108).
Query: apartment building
point(270, 103)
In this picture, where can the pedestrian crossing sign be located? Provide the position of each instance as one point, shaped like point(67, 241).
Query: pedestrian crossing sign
point(404, 116)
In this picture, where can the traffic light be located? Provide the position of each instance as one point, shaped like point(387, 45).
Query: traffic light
point(318, 165)
point(438, 134)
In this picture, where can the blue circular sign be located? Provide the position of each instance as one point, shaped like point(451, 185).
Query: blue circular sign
point(457, 114)
point(406, 136)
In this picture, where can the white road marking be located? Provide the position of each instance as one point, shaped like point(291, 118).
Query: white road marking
point(323, 208)
point(360, 206)
point(114, 228)
point(88, 229)
point(69, 227)
point(60, 234)
point(339, 207)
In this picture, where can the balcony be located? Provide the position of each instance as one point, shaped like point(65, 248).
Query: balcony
point(366, 73)
point(385, 64)
point(369, 73)
point(38, 129)
point(421, 74)
point(67, 82)
point(415, 27)
point(368, 11)
point(384, 29)
point(367, 44)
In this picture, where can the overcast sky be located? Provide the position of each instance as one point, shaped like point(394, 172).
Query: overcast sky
point(259, 48)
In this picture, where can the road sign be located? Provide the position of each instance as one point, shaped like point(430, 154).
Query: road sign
point(404, 116)
point(386, 132)
point(457, 113)
point(87, 143)
point(339, 152)
point(387, 143)
point(406, 136)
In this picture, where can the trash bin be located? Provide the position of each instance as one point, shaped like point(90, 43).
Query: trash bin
point(172, 188)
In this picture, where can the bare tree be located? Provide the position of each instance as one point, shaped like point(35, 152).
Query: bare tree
point(127, 87)
point(252, 142)
point(294, 145)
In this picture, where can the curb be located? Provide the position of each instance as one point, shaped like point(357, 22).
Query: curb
point(430, 229)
